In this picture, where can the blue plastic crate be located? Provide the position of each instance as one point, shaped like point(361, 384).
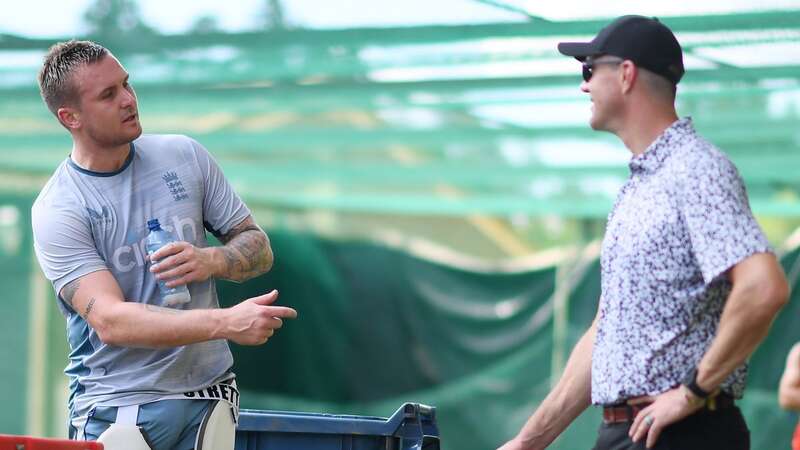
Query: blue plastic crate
point(412, 427)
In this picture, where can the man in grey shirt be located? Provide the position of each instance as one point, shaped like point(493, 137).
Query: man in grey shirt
point(689, 285)
point(90, 225)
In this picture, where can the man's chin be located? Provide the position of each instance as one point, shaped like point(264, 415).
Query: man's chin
point(127, 138)
point(597, 125)
point(136, 133)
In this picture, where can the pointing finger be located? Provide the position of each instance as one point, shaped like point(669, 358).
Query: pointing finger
point(282, 312)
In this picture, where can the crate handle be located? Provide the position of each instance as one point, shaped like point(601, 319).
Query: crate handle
point(418, 410)
point(426, 410)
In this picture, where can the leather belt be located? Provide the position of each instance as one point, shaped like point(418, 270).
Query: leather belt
point(623, 412)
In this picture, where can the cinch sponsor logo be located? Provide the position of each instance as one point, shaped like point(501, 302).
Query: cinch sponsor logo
point(128, 257)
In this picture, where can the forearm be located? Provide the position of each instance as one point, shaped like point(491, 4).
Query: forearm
point(745, 322)
point(97, 298)
point(129, 324)
point(246, 253)
point(568, 399)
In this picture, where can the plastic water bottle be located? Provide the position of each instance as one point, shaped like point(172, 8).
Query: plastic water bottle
point(157, 238)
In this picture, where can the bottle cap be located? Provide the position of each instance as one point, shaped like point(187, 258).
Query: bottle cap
point(153, 225)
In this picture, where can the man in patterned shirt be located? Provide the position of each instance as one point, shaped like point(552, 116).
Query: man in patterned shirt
point(689, 284)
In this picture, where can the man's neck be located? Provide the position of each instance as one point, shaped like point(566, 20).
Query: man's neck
point(100, 159)
point(643, 128)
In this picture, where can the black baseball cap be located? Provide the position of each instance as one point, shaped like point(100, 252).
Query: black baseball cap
point(643, 40)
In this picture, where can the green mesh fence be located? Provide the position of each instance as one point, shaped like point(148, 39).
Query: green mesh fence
point(429, 120)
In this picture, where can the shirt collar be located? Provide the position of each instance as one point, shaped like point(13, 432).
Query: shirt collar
point(657, 152)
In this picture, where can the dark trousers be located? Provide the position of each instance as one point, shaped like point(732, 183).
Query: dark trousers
point(704, 430)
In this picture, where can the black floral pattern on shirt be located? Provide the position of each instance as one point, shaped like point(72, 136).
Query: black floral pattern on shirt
point(679, 223)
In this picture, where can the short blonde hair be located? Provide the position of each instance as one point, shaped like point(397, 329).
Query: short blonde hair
point(60, 63)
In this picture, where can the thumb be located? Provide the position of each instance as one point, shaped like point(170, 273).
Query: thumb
point(266, 299)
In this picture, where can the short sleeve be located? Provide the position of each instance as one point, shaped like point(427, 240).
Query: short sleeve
point(721, 226)
point(63, 243)
point(223, 209)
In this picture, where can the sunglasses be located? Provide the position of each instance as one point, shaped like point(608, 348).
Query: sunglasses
point(589, 66)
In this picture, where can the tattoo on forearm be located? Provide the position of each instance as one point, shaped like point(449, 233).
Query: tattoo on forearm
point(89, 307)
point(246, 251)
point(68, 292)
point(246, 225)
point(162, 310)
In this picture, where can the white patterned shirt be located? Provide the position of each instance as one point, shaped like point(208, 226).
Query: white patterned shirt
point(679, 223)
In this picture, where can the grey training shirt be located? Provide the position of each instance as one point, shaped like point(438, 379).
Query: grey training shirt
point(86, 221)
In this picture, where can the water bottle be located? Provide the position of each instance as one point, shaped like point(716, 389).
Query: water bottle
point(157, 238)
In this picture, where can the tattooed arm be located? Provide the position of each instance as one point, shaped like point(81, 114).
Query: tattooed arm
point(69, 290)
point(99, 300)
point(245, 254)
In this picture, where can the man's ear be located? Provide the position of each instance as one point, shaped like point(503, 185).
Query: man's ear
point(69, 117)
point(629, 73)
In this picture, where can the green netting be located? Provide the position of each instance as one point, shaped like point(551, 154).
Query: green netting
point(394, 121)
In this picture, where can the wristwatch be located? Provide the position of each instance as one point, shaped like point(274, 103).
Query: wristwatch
point(690, 381)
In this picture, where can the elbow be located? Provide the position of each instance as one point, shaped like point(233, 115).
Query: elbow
point(107, 335)
point(269, 260)
point(771, 294)
point(760, 306)
point(263, 264)
point(107, 329)
point(777, 289)
point(760, 284)
point(776, 295)
point(257, 263)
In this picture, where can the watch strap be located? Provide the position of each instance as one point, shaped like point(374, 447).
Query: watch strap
point(691, 383)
